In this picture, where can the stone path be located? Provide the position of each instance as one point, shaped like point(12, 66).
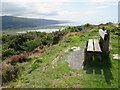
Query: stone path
point(75, 59)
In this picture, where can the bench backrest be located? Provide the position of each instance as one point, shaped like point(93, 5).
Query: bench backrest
point(104, 40)
point(102, 33)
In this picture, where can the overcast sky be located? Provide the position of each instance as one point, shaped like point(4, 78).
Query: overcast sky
point(79, 11)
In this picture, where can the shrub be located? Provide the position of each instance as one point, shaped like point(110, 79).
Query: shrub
point(31, 44)
point(42, 51)
point(18, 58)
point(7, 53)
point(9, 72)
point(34, 66)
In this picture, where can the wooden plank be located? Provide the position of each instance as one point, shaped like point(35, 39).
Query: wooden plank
point(102, 33)
point(97, 46)
point(90, 45)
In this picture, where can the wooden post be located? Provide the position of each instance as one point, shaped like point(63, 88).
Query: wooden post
point(85, 56)
point(106, 43)
point(85, 52)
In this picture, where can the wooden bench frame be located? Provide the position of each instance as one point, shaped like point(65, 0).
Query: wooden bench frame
point(94, 46)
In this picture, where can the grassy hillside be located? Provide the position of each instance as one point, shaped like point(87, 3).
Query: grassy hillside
point(39, 72)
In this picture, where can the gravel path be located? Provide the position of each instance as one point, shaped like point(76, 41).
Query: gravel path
point(75, 59)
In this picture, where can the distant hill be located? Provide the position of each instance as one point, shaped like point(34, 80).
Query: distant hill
point(11, 22)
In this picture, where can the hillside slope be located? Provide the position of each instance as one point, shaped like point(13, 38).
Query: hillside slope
point(10, 22)
point(41, 72)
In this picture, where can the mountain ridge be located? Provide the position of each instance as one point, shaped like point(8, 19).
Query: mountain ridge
point(11, 22)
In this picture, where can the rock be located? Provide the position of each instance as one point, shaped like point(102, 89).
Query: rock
point(75, 48)
point(116, 56)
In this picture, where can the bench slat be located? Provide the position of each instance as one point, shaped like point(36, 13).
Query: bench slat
point(97, 46)
point(102, 33)
point(90, 45)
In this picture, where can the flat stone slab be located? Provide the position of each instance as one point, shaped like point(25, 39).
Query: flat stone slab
point(75, 59)
point(116, 56)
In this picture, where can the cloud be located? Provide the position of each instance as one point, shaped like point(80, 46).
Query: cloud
point(72, 10)
point(30, 8)
point(102, 7)
point(83, 15)
point(97, 0)
point(115, 3)
point(103, 1)
point(61, 1)
point(36, 0)
point(11, 8)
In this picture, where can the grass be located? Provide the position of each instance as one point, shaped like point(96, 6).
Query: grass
point(38, 73)
point(13, 31)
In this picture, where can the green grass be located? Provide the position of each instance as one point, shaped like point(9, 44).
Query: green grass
point(38, 72)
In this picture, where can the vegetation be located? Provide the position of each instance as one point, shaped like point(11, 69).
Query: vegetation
point(16, 44)
point(39, 72)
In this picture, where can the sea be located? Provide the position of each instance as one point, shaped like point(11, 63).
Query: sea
point(40, 30)
point(52, 30)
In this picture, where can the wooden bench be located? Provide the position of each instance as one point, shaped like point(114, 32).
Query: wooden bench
point(94, 46)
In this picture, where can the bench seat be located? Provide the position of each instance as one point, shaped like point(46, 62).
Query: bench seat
point(93, 46)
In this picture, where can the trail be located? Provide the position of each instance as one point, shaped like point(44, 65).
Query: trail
point(87, 29)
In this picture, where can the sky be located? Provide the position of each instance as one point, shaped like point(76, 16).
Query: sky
point(76, 11)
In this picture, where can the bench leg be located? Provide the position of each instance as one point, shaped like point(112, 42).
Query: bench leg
point(87, 57)
point(87, 62)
